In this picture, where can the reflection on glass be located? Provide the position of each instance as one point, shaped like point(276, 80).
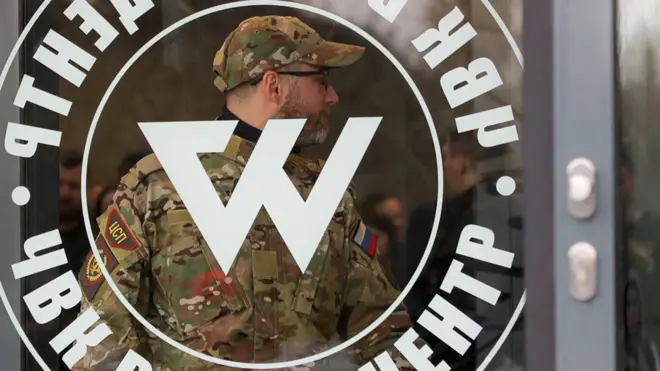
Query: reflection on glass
point(470, 199)
point(639, 91)
point(396, 185)
point(641, 349)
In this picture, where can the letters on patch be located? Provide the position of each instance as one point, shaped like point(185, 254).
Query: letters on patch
point(117, 233)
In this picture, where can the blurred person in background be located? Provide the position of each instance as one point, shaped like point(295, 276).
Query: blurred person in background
point(461, 153)
point(641, 229)
point(383, 214)
point(72, 229)
point(640, 243)
point(388, 208)
point(103, 201)
point(71, 223)
point(462, 184)
point(641, 349)
point(105, 198)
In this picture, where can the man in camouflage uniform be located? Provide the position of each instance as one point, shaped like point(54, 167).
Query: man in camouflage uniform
point(264, 309)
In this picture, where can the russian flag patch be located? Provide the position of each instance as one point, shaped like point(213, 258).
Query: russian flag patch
point(365, 239)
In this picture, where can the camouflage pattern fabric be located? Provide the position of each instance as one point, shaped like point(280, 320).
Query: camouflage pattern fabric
point(266, 43)
point(263, 310)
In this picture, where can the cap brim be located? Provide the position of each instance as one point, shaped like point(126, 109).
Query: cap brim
point(334, 55)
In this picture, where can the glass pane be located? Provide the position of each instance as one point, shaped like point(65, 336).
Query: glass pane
point(163, 254)
point(639, 58)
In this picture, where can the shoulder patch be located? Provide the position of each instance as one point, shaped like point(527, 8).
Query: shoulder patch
point(117, 233)
point(365, 239)
point(90, 275)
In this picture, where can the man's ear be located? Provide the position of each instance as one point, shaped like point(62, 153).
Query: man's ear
point(273, 87)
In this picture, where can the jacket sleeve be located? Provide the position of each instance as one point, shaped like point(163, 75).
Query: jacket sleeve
point(370, 292)
point(123, 244)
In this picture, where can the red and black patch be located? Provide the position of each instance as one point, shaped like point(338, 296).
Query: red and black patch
point(117, 232)
point(91, 276)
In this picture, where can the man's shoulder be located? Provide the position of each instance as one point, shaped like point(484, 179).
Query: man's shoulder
point(141, 171)
point(150, 171)
point(304, 173)
point(301, 165)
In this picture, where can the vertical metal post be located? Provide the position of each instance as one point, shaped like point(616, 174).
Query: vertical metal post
point(583, 53)
point(538, 175)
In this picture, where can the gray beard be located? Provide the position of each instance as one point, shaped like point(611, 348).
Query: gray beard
point(315, 138)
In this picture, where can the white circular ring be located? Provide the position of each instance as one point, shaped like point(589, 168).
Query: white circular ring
point(436, 146)
point(3, 77)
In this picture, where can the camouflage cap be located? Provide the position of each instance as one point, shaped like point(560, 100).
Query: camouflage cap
point(265, 43)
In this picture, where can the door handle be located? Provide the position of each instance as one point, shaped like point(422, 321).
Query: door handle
point(581, 178)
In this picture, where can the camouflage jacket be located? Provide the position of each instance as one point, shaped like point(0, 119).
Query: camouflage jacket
point(263, 310)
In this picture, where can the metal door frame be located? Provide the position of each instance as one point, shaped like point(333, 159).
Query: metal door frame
point(570, 111)
point(39, 174)
point(10, 343)
point(569, 104)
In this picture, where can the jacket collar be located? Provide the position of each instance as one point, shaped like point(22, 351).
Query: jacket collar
point(246, 131)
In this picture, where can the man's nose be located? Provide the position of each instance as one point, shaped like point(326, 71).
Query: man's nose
point(331, 96)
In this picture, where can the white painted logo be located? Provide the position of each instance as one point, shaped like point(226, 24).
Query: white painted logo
point(262, 183)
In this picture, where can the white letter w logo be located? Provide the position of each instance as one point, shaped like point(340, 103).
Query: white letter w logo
point(263, 182)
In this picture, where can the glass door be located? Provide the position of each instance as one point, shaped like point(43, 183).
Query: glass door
point(638, 83)
point(400, 183)
point(573, 319)
point(592, 209)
